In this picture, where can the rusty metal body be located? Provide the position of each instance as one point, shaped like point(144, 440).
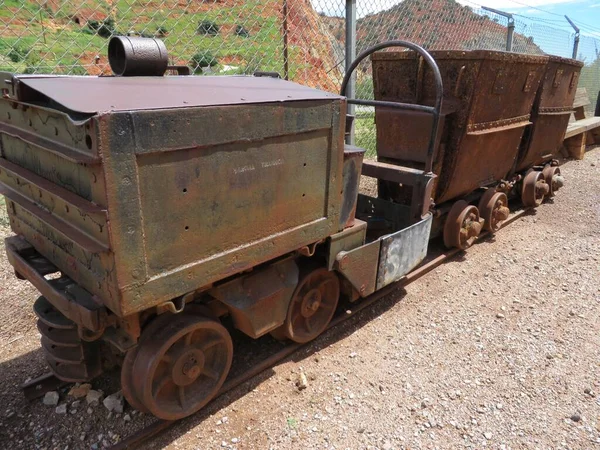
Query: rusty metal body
point(550, 114)
point(487, 102)
point(139, 205)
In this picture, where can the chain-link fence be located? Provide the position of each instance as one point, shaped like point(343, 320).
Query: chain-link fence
point(303, 40)
point(211, 36)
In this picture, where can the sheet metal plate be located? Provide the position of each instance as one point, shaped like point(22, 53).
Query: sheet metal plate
point(90, 95)
point(402, 251)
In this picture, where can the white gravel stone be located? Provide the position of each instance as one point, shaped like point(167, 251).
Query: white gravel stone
point(94, 397)
point(51, 398)
point(114, 402)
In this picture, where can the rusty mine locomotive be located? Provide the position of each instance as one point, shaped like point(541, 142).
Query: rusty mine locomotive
point(146, 207)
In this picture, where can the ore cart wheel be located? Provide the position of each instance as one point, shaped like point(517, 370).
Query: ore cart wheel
point(180, 367)
point(128, 383)
point(493, 208)
point(553, 179)
point(534, 189)
point(312, 306)
point(462, 225)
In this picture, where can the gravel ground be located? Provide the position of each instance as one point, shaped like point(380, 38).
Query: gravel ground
point(499, 348)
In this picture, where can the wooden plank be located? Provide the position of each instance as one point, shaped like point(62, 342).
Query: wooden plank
point(590, 139)
point(582, 126)
point(589, 123)
point(576, 146)
point(573, 130)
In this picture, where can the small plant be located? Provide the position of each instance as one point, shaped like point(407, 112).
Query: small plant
point(18, 53)
point(241, 31)
point(208, 27)
point(103, 28)
point(202, 59)
point(162, 31)
point(34, 64)
point(30, 70)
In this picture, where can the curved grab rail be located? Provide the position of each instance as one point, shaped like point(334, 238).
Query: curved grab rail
point(433, 110)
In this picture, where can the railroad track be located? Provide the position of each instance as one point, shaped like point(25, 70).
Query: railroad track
point(37, 387)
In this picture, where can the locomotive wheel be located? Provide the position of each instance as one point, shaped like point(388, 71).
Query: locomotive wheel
point(553, 179)
point(312, 306)
point(534, 189)
point(462, 225)
point(493, 208)
point(181, 366)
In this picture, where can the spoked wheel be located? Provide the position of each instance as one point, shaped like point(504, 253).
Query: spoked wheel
point(493, 208)
point(462, 226)
point(128, 383)
point(534, 189)
point(312, 306)
point(179, 366)
point(553, 179)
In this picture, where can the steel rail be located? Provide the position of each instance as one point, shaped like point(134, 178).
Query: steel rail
point(160, 425)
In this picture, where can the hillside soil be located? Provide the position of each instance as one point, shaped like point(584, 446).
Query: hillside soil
point(498, 348)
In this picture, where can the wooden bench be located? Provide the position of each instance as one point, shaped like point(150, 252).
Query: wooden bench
point(582, 131)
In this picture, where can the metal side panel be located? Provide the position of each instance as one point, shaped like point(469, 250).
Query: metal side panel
point(203, 209)
point(359, 267)
point(402, 251)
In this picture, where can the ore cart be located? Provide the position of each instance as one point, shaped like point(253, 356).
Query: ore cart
point(488, 97)
point(148, 208)
point(550, 116)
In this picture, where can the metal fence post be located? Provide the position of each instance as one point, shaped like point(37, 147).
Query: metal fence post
point(509, 34)
point(350, 55)
point(286, 61)
point(510, 27)
point(576, 42)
